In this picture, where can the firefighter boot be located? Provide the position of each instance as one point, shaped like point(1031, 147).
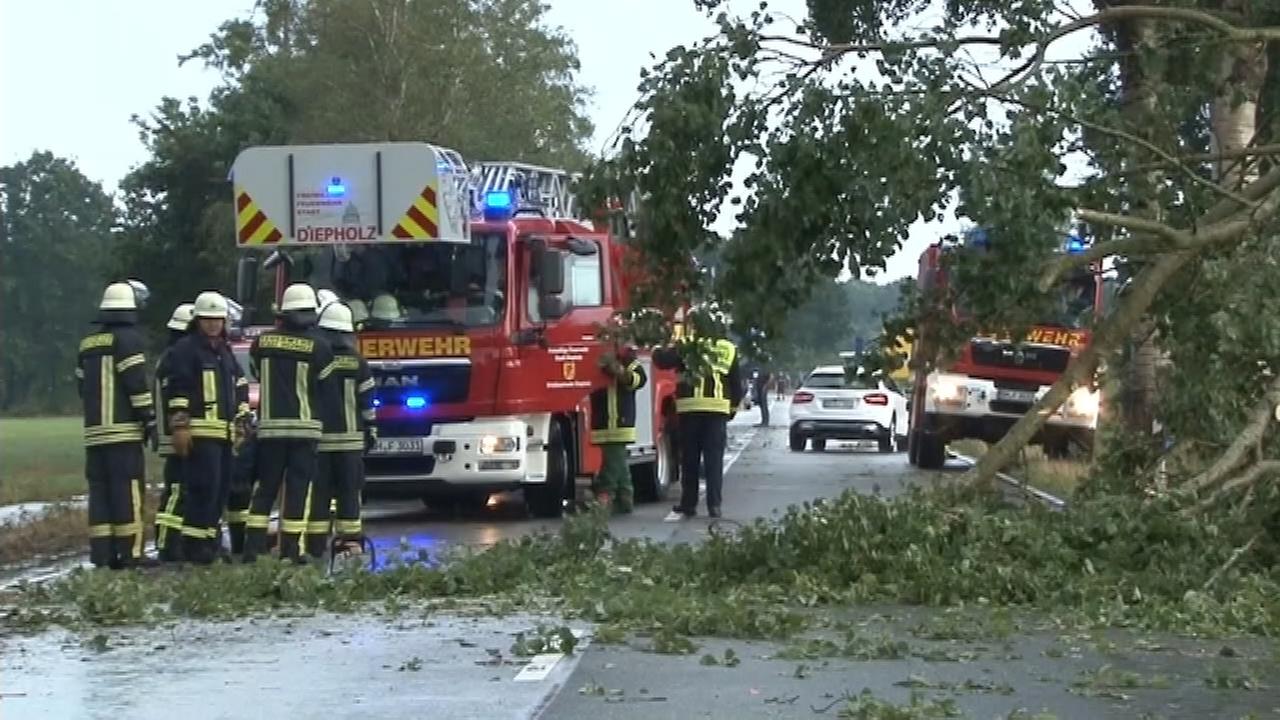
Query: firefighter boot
point(236, 531)
point(317, 544)
point(100, 551)
point(198, 550)
point(255, 543)
point(289, 548)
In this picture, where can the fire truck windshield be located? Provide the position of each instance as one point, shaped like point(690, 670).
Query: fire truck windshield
point(416, 284)
point(1073, 302)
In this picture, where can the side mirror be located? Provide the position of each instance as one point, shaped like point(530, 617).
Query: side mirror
point(550, 272)
point(246, 279)
point(552, 307)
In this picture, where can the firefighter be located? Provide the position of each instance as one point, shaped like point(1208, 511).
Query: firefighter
point(613, 427)
point(169, 515)
point(291, 364)
point(206, 396)
point(119, 416)
point(348, 431)
point(706, 399)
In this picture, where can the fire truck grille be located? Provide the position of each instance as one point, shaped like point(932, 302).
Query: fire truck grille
point(428, 384)
point(1008, 355)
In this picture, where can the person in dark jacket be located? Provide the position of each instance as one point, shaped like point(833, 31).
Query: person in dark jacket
point(348, 431)
point(205, 400)
point(292, 364)
point(613, 427)
point(169, 514)
point(119, 416)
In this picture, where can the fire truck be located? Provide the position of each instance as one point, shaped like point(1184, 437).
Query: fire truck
point(994, 380)
point(484, 291)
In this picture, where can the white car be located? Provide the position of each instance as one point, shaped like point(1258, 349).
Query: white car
point(830, 406)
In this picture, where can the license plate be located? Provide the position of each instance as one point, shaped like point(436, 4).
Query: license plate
point(1020, 396)
point(839, 404)
point(399, 446)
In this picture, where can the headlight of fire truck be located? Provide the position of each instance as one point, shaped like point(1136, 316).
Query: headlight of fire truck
point(492, 444)
point(1083, 403)
point(947, 389)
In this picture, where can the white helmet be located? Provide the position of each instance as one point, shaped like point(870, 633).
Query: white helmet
point(336, 316)
point(359, 311)
point(211, 305)
point(181, 317)
point(119, 296)
point(141, 293)
point(326, 296)
point(386, 308)
point(298, 297)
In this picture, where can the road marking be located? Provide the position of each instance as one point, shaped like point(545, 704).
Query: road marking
point(746, 442)
point(540, 666)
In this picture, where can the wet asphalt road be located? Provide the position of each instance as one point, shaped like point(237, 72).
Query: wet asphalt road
point(431, 665)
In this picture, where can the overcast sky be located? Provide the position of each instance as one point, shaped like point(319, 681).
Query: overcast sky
point(72, 72)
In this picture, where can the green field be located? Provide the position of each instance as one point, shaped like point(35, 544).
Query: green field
point(43, 459)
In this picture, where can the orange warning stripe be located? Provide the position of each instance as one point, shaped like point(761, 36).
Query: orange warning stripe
point(252, 225)
point(421, 220)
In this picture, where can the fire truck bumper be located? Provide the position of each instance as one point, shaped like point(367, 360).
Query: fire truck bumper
point(490, 454)
point(961, 406)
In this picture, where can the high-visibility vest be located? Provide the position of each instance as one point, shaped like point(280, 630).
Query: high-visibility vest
point(710, 393)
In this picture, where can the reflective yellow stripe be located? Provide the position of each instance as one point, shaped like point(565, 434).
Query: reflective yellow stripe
point(318, 527)
point(140, 400)
point(349, 404)
point(100, 531)
point(349, 527)
point(258, 522)
point(365, 386)
point(199, 533)
point(130, 362)
point(328, 370)
point(210, 395)
point(293, 527)
point(613, 435)
point(349, 442)
point(238, 517)
point(179, 403)
point(264, 390)
point(302, 386)
point(703, 404)
point(108, 391)
point(135, 488)
point(111, 435)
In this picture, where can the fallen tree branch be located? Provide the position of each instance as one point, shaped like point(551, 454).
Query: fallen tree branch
point(1235, 556)
point(1248, 477)
point(1260, 418)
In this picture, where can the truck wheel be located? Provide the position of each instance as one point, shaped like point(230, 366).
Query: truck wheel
point(652, 480)
point(797, 442)
point(547, 500)
point(819, 444)
point(931, 452)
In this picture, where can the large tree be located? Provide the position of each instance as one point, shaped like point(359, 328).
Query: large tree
point(869, 116)
point(55, 228)
point(487, 78)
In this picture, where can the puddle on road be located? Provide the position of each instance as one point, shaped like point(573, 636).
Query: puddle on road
point(322, 666)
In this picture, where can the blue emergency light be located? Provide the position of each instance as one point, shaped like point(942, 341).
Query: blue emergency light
point(415, 402)
point(377, 402)
point(498, 204)
point(336, 187)
point(1075, 245)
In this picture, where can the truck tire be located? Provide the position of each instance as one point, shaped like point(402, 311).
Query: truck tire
point(819, 444)
point(547, 500)
point(931, 452)
point(653, 480)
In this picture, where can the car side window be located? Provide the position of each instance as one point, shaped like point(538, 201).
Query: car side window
point(890, 385)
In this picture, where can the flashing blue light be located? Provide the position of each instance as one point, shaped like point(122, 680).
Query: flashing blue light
point(1074, 245)
point(377, 402)
point(336, 187)
point(498, 200)
point(415, 402)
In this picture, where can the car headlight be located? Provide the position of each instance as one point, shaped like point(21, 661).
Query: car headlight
point(490, 444)
point(1084, 402)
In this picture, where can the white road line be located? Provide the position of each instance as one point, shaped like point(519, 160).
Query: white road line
point(746, 442)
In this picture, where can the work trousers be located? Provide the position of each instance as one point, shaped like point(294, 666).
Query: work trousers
point(615, 477)
point(763, 401)
point(244, 477)
point(115, 474)
point(703, 436)
point(169, 514)
point(282, 462)
point(339, 480)
point(206, 480)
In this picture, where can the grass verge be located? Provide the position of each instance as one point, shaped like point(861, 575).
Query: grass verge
point(1056, 477)
point(42, 459)
point(57, 530)
point(1104, 562)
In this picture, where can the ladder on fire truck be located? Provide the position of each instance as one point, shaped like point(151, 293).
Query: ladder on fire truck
point(549, 189)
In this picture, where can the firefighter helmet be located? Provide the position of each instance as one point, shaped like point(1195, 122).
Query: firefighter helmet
point(298, 297)
point(324, 297)
point(386, 308)
point(359, 311)
point(141, 293)
point(119, 296)
point(210, 305)
point(337, 317)
point(181, 317)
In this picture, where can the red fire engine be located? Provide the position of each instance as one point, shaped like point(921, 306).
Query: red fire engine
point(482, 296)
point(993, 380)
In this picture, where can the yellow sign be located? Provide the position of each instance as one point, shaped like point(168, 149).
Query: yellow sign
point(404, 347)
point(569, 370)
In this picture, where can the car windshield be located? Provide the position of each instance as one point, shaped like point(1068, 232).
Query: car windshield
point(839, 381)
point(415, 284)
